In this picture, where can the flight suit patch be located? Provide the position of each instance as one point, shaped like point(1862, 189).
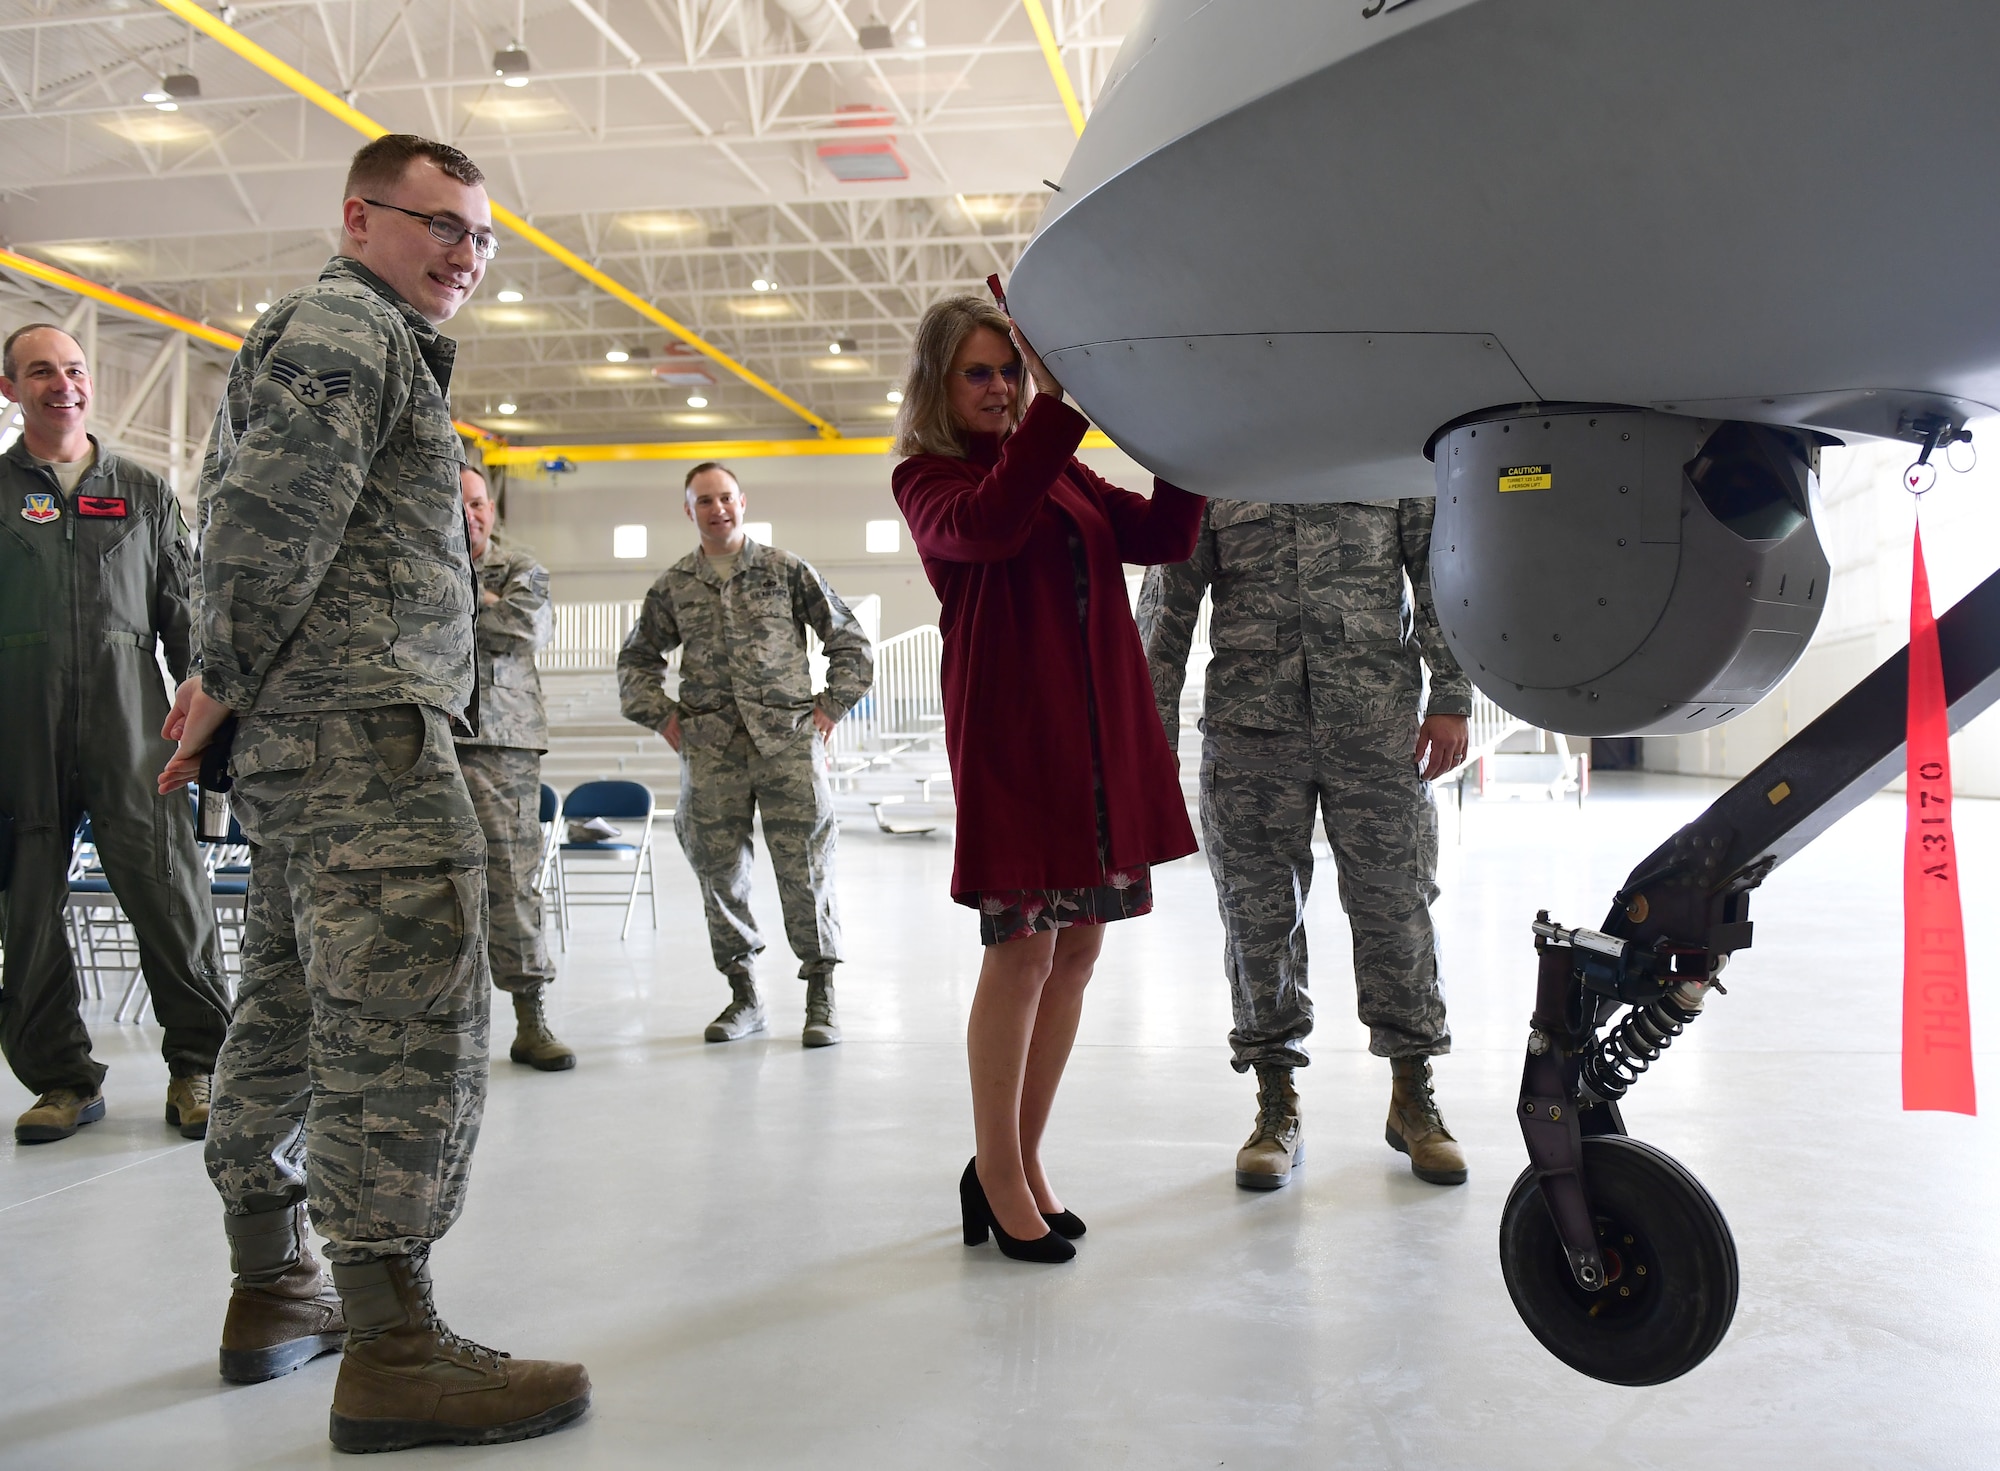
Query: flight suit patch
point(109, 506)
point(314, 390)
point(39, 506)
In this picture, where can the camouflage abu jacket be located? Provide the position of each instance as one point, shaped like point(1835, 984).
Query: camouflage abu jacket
point(334, 573)
point(744, 649)
point(1312, 627)
point(504, 641)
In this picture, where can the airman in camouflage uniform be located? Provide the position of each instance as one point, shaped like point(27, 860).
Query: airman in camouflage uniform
point(1312, 705)
point(336, 622)
point(503, 771)
point(744, 723)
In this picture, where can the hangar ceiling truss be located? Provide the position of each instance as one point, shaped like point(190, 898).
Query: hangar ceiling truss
point(687, 148)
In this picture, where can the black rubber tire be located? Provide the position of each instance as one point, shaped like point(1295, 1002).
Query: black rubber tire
point(1665, 1242)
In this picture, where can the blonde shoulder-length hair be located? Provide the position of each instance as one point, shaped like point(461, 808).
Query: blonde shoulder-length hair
point(925, 424)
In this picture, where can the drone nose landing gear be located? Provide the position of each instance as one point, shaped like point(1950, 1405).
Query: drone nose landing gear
point(1669, 1267)
point(1617, 1259)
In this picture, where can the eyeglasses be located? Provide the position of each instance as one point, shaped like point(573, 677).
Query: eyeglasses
point(445, 231)
point(981, 374)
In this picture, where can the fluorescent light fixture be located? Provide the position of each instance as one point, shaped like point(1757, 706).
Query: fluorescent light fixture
point(617, 355)
point(507, 408)
point(628, 542)
point(895, 395)
point(696, 401)
point(758, 531)
point(509, 295)
point(885, 536)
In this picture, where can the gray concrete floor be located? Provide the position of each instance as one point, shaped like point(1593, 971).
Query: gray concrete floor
point(755, 1248)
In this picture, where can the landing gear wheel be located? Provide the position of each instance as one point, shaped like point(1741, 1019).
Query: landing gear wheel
point(1670, 1268)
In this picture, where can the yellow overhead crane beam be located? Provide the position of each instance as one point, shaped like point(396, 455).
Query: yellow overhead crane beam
point(532, 455)
point(1045, 33)
point(314, 93)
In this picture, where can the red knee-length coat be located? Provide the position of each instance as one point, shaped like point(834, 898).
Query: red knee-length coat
point(993, 530)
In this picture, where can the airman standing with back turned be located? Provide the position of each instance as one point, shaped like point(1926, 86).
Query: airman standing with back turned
point(94, 570)
point(336, 624)
point(747, 726)
point(502, 763)
point(1312, 708)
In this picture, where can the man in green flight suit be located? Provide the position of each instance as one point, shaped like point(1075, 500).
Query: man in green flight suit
point(336, 624)
point(503, 771)
point(93, 572)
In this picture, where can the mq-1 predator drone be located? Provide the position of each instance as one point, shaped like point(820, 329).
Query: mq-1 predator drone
point(1618, 272)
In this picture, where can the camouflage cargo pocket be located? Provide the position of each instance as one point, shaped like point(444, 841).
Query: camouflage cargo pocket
point(403, 1134)
point(398, 943)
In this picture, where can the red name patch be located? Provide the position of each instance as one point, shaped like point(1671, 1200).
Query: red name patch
point(101, 505)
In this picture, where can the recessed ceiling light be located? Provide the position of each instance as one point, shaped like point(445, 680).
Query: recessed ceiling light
point(156, 95)
point(515, 82)
point(696, 401)
point(507, 408)
point(617, 355)
point(760, 284)
point(895, 396)
point(168, 106)
point(510, 295)
point(262, 306)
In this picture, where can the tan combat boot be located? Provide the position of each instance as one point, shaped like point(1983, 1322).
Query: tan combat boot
point(282, 1310)
point(187, 1105)
point(534, 1043)
point(743, 1015)
point(407, 1380)
point(57, 1114)
point(1415, 1127)
point(1277, 1144)
point(822, 1021)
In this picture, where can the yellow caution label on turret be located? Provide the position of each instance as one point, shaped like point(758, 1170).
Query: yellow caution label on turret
point(1527, 477)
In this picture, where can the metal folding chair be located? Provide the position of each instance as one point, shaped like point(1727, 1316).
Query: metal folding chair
point(629, 801)
point(550, 876)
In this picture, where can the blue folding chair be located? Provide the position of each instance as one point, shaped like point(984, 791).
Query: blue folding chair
point(627, 801)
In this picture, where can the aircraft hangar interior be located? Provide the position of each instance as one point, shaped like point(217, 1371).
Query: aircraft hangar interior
point(527, 522)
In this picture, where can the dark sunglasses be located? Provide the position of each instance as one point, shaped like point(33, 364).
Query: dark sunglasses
point(981, 374)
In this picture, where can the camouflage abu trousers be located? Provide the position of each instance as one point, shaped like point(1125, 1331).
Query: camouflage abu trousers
point(720, 788)
point(354, 1073)
point(1260, 791)
point(506, 787)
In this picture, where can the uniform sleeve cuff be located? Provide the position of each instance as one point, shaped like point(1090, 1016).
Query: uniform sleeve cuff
point(238, 694)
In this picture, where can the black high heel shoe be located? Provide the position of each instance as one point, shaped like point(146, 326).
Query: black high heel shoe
point(1066, 1224)
point(978, 1219)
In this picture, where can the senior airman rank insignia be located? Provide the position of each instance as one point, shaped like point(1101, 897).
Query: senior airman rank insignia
point(314, 390)
point(40, 506)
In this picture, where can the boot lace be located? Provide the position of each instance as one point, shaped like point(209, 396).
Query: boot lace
point(1273, 1109)
point(1422, 1105)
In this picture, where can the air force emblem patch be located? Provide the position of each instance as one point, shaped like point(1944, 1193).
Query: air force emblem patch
point(40, 506)
point(314, 390)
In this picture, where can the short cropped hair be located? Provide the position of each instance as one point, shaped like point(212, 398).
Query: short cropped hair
point(7, 351)
point(687, 484)
point(925, 424)
point(381, 164)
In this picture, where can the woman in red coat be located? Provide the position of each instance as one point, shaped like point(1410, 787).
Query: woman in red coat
point(1066, 790)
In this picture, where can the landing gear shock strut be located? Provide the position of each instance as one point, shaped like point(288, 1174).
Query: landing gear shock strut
point(1617, 1259)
